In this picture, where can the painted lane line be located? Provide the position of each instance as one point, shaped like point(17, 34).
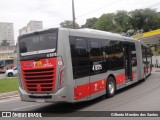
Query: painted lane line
point(25, 107)
point(12, 99)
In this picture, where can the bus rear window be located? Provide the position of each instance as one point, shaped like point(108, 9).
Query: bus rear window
point(38, 43)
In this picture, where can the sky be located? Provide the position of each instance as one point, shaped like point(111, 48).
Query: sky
point(53, 12)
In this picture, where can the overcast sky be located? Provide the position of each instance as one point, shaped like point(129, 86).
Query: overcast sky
point(52, 12)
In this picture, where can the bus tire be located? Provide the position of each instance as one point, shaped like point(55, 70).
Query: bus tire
point(10, 74)
point(110, 87)
point(144, 79)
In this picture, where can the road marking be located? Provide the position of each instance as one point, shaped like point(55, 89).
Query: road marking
point(12, 99)
point(26, 107)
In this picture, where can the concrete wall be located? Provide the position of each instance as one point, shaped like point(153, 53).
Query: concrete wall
point(154, 58)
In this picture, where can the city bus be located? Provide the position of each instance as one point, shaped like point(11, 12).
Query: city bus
point(5, 64)
point(74, 65)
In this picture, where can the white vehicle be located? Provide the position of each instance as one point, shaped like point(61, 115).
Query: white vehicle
point(11, 72)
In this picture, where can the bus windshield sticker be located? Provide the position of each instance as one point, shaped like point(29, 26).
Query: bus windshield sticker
point(38, 52)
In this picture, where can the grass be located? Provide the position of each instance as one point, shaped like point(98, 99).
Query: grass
point(8, 85)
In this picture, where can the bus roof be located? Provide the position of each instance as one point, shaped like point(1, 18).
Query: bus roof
point(99, 34)
point(87, 32)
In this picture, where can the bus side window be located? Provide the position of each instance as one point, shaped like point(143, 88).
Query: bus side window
point(96, 63)
point(133, 55)
point(115, 55)
point(104, 49)
point(80, 57)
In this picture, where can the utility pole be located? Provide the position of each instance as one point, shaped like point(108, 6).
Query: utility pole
point(73, 13)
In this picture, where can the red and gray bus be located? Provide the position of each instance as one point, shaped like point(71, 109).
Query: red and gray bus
point(73, 65)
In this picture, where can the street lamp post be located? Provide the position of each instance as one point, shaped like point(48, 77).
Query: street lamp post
point(73, 13)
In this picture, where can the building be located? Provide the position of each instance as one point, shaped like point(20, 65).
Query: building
point(34, 25)
point(23, 30)
point(8, 52)
point(31, 27)
point(7, 33)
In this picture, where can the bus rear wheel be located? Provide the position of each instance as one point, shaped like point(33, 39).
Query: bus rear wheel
point(110, 87)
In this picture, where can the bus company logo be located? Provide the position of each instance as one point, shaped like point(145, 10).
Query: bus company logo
point(28, 64)
point(47, 64)
point(6, 114)
point(37, 64)
point(95, 87)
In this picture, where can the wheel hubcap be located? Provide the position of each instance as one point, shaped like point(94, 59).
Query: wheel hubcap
point(111, 87)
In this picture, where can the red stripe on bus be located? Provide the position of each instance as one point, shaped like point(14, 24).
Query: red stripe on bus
point(81, 91)
point(85, 90)
point(98, 86)
point(121, 78)
point(133, 75)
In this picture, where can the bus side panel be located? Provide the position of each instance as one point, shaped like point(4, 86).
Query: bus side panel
point(64, 55)
point(139, 61)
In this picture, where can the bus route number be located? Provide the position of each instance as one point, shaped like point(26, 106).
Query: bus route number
point(97, 67)
point(51, 55)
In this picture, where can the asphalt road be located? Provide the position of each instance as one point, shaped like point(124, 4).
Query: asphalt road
point(143, 96)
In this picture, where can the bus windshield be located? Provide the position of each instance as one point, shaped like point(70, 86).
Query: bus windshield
point(38, 43)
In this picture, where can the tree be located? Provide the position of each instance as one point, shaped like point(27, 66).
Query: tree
point(4, 43)
point(107, 23)
point(136, 21)
point(144, 19)
point(68, 24)
point(90, 23)
point(123, 20)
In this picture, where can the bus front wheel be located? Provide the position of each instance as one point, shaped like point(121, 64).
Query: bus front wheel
point(110, 87)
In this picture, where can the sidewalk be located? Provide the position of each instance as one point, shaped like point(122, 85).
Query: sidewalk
point(156, 69)
point(9, 95)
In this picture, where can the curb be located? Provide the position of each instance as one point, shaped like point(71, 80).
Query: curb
point(156, 69)
point(9, 95)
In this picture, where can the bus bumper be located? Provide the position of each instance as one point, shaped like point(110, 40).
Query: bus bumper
point(59, 96)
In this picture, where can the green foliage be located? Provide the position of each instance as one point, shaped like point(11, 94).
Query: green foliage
point(123, 20)
point(68, 24)
point(144, 19)
point(90, 23)
point(107, 23)
point(8, 85)
point(4, 43)
point(139, 20)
